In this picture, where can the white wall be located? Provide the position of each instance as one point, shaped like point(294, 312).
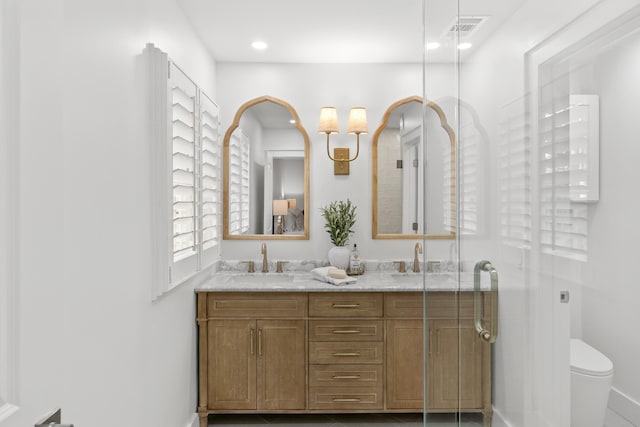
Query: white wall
point(610, 291)
point(308, 87)
point(90, 340)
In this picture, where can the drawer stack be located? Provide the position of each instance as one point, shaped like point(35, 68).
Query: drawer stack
point(346, 351)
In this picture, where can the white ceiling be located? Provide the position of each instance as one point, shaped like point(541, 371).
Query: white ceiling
point(337, 31)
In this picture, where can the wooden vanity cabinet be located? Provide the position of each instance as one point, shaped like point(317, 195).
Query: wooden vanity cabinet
point(252, 352)
point(298, 352)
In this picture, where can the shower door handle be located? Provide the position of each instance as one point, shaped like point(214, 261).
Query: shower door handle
point(485, 334)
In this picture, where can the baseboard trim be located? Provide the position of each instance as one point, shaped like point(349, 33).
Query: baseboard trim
point(6, 410)
point(194, 421)
point(624, 406)
point(498, 420)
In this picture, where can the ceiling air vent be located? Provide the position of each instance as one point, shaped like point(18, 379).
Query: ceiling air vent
point(464, 26)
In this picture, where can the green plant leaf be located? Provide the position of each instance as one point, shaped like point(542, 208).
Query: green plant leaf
point(340, 217)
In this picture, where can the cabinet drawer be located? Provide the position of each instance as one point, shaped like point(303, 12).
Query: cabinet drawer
point(409, 304)
point(345, 375)
point(345, 352)
point(346, 330)
point(333, 398)
point(346, 304)
point(262, 305)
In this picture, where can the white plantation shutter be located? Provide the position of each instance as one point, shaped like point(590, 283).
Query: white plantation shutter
point(514, 172)
point(239, 180)
point(210, 175)
point(185, 151)
point(245, 202)
point(185, 162)
point(563, 222)
point(470, 143)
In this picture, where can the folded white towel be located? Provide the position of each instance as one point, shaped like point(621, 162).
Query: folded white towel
point(322, 274)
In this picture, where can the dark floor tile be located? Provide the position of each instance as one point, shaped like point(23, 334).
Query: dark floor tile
point(346, 420)
point(302, 420)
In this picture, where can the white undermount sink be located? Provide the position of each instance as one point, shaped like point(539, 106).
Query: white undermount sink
point(261, 278)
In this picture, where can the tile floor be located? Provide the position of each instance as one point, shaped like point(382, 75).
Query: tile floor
point(346, 420)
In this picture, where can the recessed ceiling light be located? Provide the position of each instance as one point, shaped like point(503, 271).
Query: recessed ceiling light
point(433, 45)
point(463, 46)
point(259, 45)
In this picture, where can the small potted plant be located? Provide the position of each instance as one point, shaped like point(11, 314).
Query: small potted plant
point(340, 217)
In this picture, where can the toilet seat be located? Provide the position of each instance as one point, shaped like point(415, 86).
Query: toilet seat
point(586, 360)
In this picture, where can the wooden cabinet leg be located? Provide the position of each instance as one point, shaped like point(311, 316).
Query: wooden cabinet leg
point(204, 420)
point(486, 418)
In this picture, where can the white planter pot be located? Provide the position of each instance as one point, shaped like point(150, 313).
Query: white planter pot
point(339, 257)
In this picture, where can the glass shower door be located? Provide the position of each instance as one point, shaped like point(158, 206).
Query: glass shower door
point(460, 272)
point(514, 98)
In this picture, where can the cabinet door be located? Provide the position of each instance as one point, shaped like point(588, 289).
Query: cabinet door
point(281, 364)
point(405, 364)
point(454, 363)
point(231, 380)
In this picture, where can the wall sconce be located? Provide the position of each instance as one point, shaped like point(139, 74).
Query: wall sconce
point(329, 124)
point(280, 208)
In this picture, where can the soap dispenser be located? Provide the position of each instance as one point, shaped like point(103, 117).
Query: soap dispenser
point(354, 261)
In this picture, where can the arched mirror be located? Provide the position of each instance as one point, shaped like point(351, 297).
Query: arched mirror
point(398, 175)
point(266, 178)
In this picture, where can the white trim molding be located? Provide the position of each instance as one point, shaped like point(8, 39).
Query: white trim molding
point(194, 421)
point(9, 205)
point(624, 406)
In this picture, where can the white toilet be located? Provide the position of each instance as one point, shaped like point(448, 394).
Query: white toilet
point(591, 377)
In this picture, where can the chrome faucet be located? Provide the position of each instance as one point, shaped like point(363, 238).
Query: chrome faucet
point(416, 261)
point(265, 263)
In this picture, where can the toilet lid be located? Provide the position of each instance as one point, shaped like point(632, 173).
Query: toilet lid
point(589, 361)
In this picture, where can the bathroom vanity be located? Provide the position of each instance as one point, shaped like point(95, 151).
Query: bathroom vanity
point(297, 345)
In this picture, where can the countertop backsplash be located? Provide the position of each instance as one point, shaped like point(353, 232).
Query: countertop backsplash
point(382, 266)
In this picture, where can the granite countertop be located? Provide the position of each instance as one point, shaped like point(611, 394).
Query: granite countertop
point(378, 279)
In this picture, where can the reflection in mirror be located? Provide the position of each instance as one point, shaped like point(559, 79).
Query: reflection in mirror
point(398, 176)
point(266, 180)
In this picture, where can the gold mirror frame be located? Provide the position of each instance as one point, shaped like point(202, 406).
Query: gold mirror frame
point(374, 150)
point(225, 202)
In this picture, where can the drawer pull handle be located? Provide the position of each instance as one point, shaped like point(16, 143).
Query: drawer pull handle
point(345, 305)
point(344, 399)
point(346, 331)
point(354, 354)
point(346, 377)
